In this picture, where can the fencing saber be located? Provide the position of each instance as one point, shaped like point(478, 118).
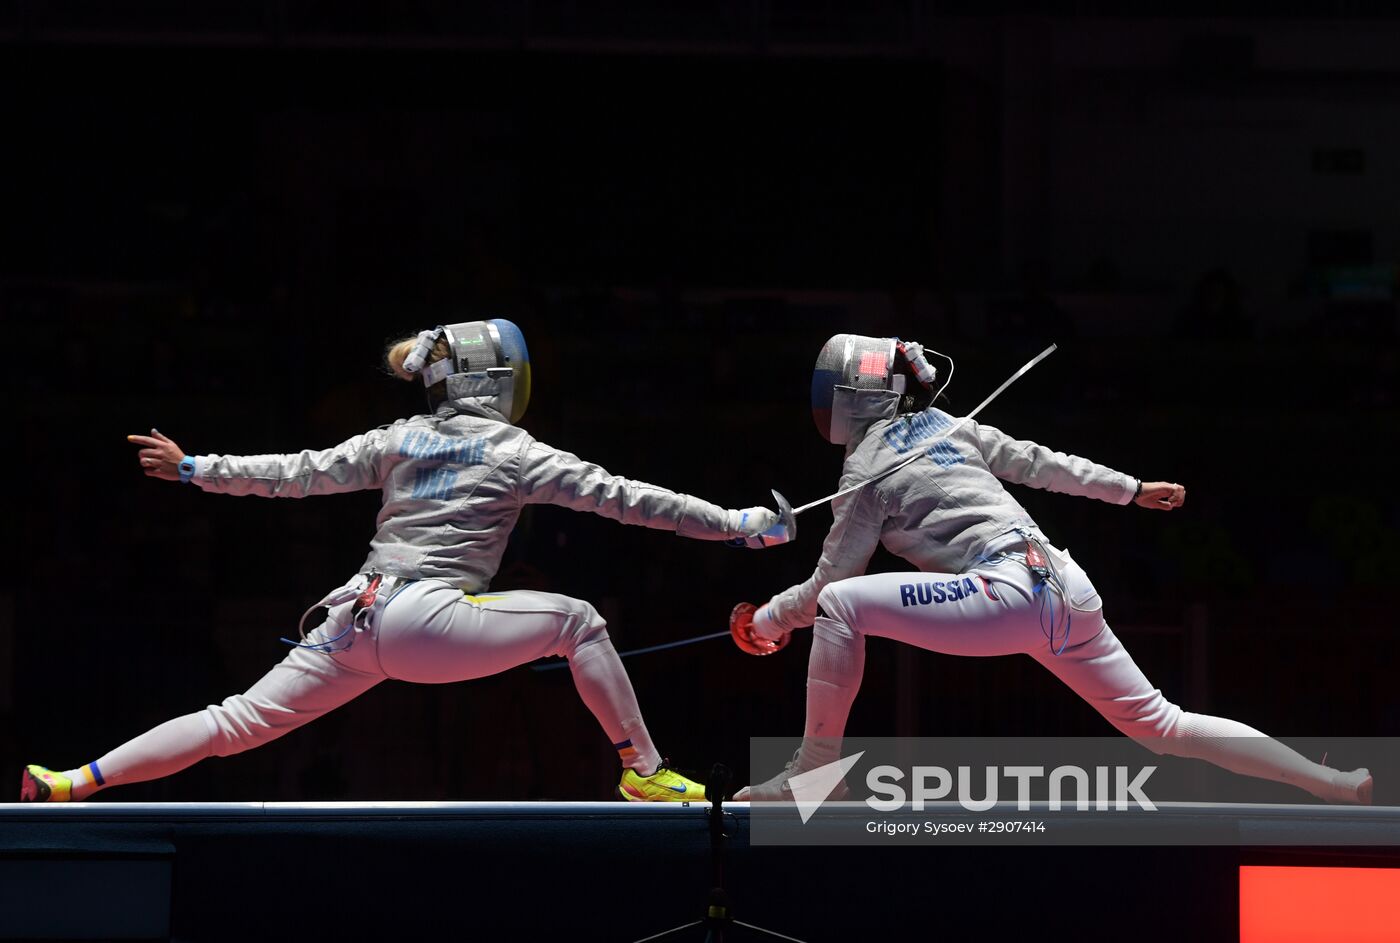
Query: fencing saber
point(787, 513)
point(553, 665)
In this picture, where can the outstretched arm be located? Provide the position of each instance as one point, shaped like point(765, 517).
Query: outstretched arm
point(354, 465)
point(1026, 463)
point(551, 476)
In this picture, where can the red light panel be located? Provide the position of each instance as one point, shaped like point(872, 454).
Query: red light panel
point(872, 364)
point(1319, 905)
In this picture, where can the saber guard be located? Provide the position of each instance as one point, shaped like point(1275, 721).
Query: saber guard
point(741, 628)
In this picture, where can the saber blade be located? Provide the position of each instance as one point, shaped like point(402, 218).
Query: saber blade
point(555, 665)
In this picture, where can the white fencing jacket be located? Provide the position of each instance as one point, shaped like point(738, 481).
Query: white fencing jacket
point(940, 511)
point(454, 484)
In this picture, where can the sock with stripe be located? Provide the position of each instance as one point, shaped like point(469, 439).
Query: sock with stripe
point(605, 689)
point(628, 753)
point(159, 752)
point(86, 779)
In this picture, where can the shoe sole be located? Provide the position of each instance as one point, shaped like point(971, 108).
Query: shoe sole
point(33, 789)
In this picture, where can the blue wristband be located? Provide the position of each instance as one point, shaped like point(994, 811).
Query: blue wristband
point(187, 469)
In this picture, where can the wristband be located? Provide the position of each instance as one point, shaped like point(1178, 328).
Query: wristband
point(1138, 493)
point(187, 469)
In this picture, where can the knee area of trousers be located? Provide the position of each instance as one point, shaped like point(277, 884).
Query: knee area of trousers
point(837, 632)
point(582, 626)
point(234, 726)
point(832, 601)
point(1156, 725)
point(224, 739)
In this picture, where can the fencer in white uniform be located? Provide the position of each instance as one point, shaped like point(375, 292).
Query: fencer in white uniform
point(454, 481)
point(987, 581)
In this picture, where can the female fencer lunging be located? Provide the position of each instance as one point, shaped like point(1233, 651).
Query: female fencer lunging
point(454, 482)
point(990, 582)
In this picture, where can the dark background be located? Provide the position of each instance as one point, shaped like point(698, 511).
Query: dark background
point(214, 217)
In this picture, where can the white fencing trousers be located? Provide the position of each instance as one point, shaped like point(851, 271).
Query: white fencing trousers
point(993, 609)
point(428, 632)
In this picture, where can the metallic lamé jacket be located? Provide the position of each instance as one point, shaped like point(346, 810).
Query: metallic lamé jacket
point(454, 484)
point(942, 510)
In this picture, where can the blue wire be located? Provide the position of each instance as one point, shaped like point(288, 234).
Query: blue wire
point(323, 646)
point(1069, 617)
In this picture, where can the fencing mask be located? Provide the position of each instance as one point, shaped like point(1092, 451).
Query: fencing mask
point(486, 360)
point(859, 379)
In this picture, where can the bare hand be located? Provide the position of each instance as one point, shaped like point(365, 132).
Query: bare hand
point(160, 457)
point(1161, 496)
